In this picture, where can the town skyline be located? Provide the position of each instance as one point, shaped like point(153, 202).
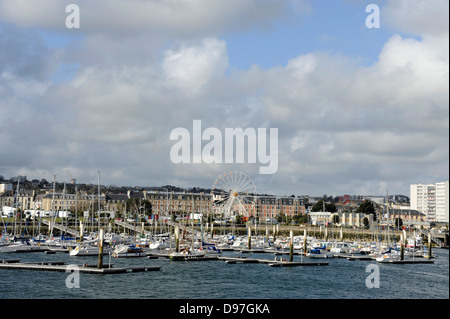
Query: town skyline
point(93, 188)
point(352, 95)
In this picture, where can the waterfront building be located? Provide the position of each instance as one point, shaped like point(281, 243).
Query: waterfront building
point(24, 199)
point(409, 217)
point(80, 201)
point(7, 199)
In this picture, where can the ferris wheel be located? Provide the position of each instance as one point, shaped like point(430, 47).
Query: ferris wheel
point(233, 193)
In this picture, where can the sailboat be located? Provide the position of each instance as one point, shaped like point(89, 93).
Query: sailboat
point(128, 249)
point(124, 250)
point(88, 248)
point(187, 253)
point(17, 242)
point(390, 254)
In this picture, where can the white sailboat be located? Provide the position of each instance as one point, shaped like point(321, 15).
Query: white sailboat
point(128, 251)
point(88, 248)
point(390, 254)
point(23, 246)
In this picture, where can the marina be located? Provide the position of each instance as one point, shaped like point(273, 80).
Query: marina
point(230, 275)
point(192, 257)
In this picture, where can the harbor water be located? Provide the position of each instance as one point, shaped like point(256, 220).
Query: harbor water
point(216, 279)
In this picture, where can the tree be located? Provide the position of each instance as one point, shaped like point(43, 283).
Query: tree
point(300, 218)
point(329, 207)
point(366, 207)
point(281, 217)
point(366, 222)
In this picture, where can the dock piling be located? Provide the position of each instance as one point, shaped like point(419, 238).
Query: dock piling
point(304, 242)
point(177, 239)
point(429, 245)
point(81, 230)
point(291, 247)
point(100, 248)
point(402, 250)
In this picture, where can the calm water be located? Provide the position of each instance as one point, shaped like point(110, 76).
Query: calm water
point(341, 279)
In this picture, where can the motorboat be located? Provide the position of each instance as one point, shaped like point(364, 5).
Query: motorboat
point(388, 256)
point(210, 249)
point(318, 253)
point(187, 253)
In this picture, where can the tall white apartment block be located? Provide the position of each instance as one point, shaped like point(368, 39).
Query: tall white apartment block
point(431, 200)
point(442, 201)
point(5, 187)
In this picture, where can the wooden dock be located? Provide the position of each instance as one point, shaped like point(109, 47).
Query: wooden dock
point(244, 260)
point(271, 263)
point(362, 257)
point(408, 261)
point(61, 266)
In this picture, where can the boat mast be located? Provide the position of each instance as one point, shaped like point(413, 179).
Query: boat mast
point(53, 207)
point(99, 200)
point(387, 222)
point(17, 208)
point(65, 210)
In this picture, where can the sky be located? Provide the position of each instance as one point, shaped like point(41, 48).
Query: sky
point(358, 110)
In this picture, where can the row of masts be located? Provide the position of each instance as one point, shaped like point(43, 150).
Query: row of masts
point(190, 212)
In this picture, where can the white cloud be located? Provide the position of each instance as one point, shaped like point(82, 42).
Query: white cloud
point(183, 18)
point(418, 17)
point(341, 126)
point(192, 66)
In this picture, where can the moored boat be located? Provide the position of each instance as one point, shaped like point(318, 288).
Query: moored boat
point(186, 253)
point(128, 251)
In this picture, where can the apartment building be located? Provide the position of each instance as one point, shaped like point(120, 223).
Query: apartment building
point(442, 201)
point(431, 200)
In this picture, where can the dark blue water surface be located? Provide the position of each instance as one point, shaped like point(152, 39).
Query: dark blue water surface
point(341, 279)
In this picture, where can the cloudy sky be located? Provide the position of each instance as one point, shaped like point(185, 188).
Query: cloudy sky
point(358, 110)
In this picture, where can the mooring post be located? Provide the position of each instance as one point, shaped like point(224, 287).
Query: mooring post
point(81, 230)
point(402, 252)
point(249, 238)
point(212, 230)
point(267, 234)
point(429, 245)
point(291, 247)
point(177, 239)
point(274, 235)
point(304, 242)
point(100, 248)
